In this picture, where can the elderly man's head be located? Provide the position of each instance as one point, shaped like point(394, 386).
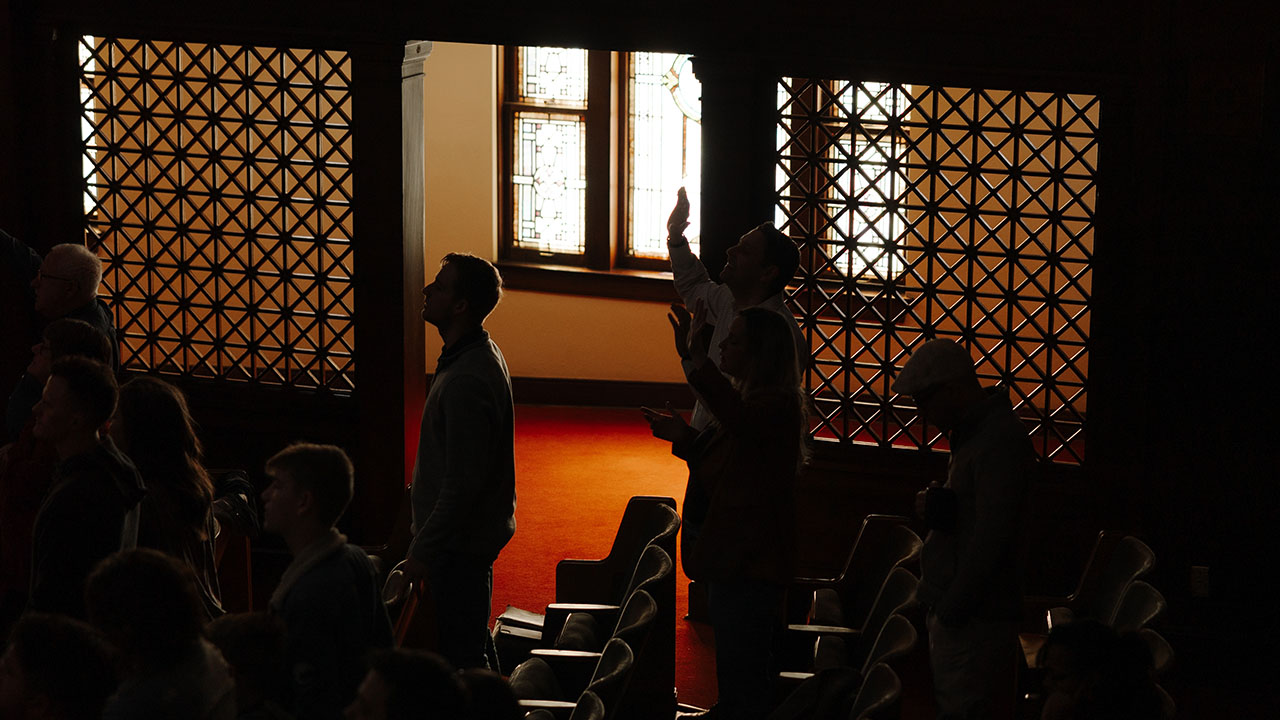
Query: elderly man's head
point(68, 279)
point(941, 379)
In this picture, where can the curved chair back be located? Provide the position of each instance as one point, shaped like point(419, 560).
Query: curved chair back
point(588, 707)
point(1140, 605)
point(612, 671)
point(636, 619)
point(1129, 560)
point(867, 573)
point(895, 640)
point(653, 566)
point(534, 679)
point(897, 594)
point(1161, 650)
point(878, 695)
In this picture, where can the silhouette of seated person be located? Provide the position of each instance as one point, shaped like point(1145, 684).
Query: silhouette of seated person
point(55, 668)
point(489, 697)
point(328, 596)
point(253, 645)
point(1090, 671)
point(26, 465)
point(91, 510)
point(407, 685)
point(63, 285)
point(154, 428)
point(147, 605)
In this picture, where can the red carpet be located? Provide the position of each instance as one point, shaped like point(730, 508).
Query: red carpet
point(575, 470)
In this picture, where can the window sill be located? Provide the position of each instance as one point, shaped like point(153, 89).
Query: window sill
point(646, 285)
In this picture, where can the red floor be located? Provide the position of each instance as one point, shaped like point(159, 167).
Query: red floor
point(575, 470)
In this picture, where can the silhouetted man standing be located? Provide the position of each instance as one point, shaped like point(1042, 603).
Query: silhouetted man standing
point(971, 565)
point(464, 491)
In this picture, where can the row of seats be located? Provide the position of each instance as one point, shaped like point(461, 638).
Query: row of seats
point(606, 647)
point(856, 630)
point(1110, 590)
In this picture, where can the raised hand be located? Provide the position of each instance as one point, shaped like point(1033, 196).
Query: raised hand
point(679, 218)
point(680, 322)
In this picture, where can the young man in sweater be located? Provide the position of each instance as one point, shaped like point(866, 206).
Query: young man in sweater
point(91, 510)
point(464, 491)
point(328, 596)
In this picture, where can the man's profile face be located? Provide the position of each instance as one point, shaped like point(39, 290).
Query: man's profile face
point(371, 699)
point(55, 289)
point(745, 262)
point(41, 361)
point(57, 414)
point(439, 298)
point(280, 503)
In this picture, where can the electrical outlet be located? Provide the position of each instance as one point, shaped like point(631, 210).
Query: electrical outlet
point(1200, 581)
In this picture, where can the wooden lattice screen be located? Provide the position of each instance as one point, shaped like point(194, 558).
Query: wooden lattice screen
point(940, 212)
point(219, 194)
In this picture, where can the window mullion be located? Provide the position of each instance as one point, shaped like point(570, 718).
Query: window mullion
point(601, 171)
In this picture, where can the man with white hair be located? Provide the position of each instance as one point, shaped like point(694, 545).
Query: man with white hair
point(63, 285)
point(971, 565)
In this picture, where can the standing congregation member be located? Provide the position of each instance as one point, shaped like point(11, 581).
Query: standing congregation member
point(328, 596)
point(971, 565)
point(742, 468)
point(63, 285)
point(92, 507)
point(27, 464)
point(154, 428)
point(464, 490)
point(756, 271)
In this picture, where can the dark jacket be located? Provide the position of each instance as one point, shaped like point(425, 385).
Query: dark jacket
point(976, 570)
point(333, 616)
point(82, 521)
point(464, 479)
point(742, 472)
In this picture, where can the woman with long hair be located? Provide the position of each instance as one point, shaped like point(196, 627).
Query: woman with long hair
point(740, 496)
point(154, 428)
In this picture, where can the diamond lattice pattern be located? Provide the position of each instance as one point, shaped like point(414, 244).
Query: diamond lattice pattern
point(219, 190)
point(940, 212)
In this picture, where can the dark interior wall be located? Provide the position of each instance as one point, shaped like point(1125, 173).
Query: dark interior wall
point(1180, 390)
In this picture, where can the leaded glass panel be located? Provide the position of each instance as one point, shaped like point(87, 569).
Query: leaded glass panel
point(549, 180)
point(552, 76)
point(665, 142)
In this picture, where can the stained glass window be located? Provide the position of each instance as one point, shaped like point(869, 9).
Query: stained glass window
point(666, 147)
point(557, 100)
point(550, 182)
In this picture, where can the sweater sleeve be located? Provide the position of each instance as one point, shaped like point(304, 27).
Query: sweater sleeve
point(999, 485)
point(470, 419)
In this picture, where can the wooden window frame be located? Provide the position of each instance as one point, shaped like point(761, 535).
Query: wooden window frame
point(605, 268)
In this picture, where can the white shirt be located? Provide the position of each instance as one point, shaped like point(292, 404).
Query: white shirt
point(694, 284)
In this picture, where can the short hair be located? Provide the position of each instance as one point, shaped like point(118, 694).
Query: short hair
point(146, 602)
point(82, 266)
point(91, 384)
point(489, 697)
point(66, 661)
point(781, 252)
point(479, 283)
point(253, 644)
point(67, 336)
point(418, 679)
point(323, 470)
